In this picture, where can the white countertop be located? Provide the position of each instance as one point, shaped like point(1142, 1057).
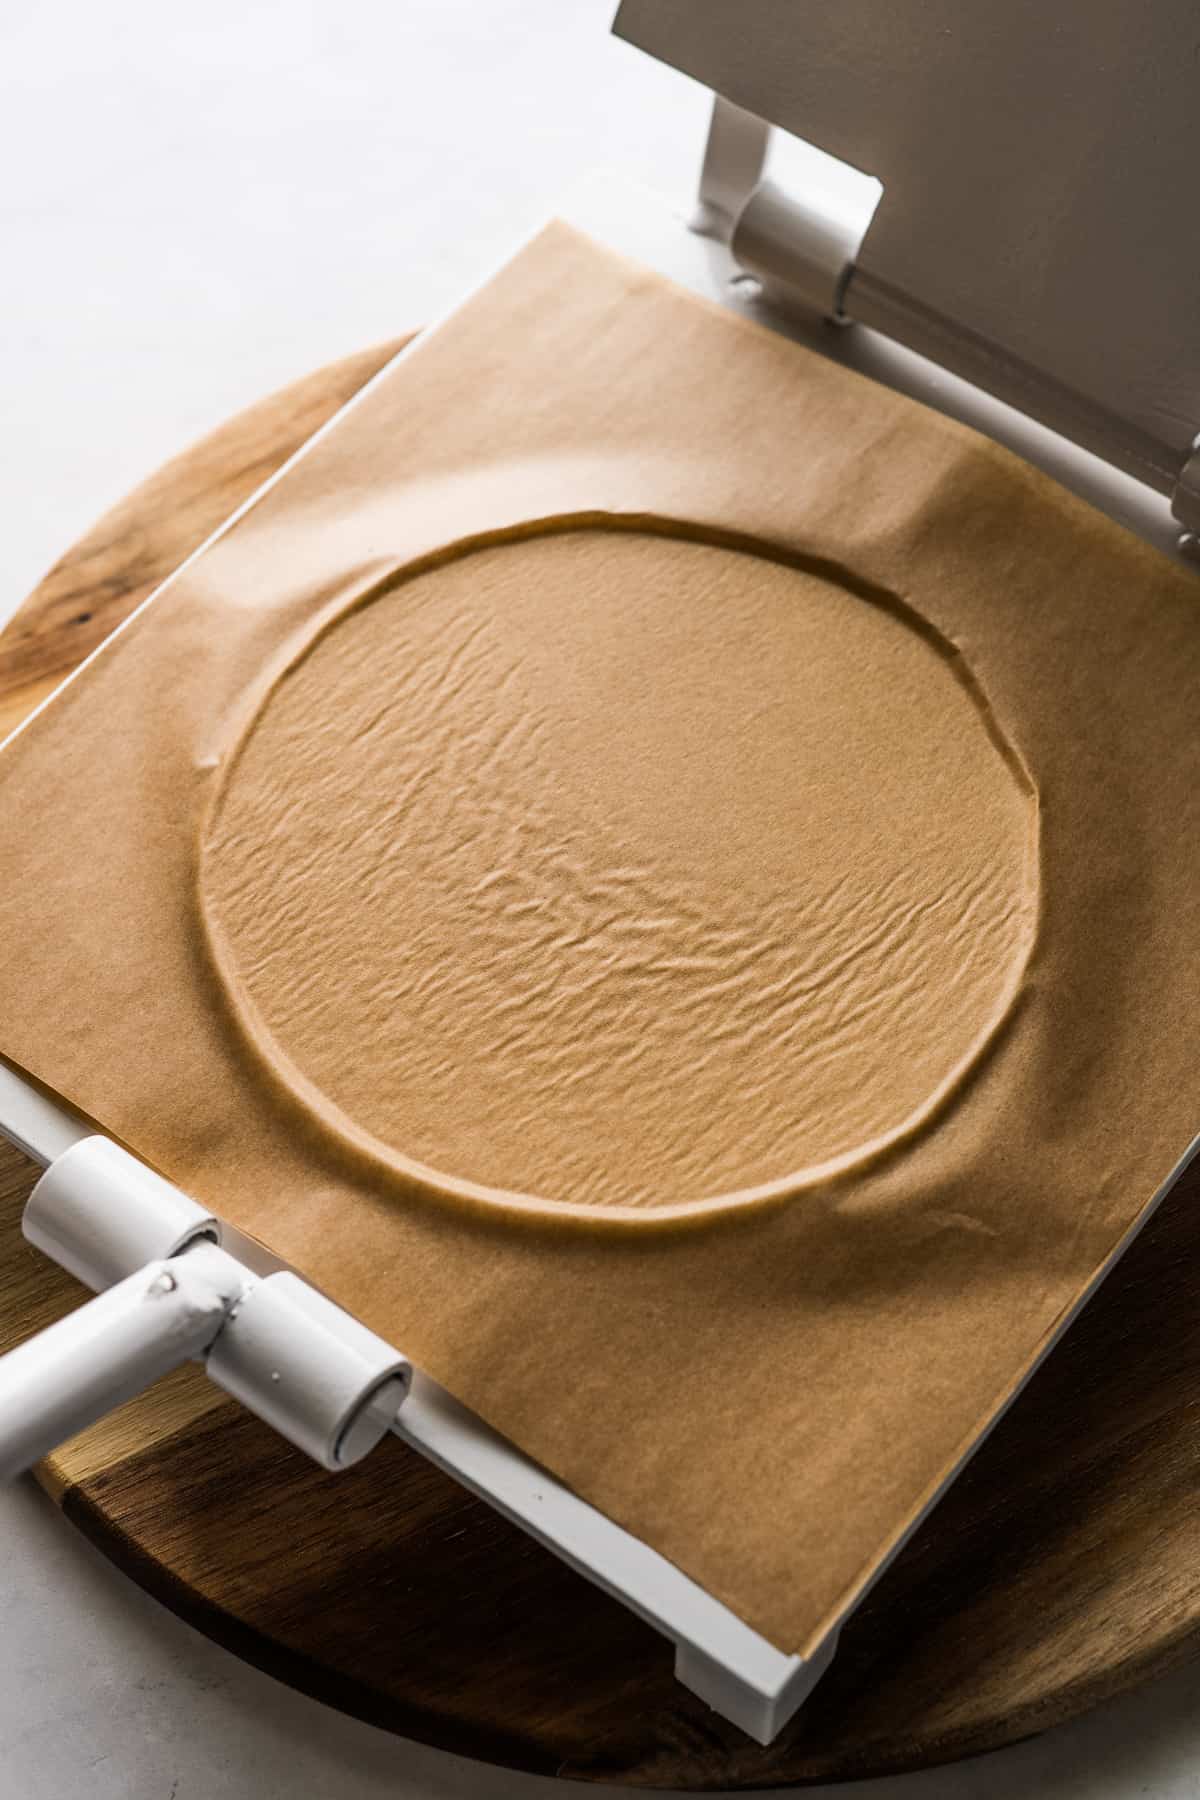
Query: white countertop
point(195, 210)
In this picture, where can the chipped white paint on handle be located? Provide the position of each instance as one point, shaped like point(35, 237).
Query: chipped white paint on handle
point(104, 1353)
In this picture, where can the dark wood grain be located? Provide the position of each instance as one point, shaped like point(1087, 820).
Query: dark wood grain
point(1062, 1568)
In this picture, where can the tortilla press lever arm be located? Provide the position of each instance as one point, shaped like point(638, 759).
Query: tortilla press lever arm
point(169, 1293)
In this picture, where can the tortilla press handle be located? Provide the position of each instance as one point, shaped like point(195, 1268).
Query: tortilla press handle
point(171, 1293)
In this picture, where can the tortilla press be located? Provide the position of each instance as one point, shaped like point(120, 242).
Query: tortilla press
point(998, 206)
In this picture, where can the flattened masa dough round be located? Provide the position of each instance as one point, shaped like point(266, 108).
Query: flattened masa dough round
point(621, 872)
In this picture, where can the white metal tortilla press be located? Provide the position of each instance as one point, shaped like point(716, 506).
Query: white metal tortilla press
point(1002, 197)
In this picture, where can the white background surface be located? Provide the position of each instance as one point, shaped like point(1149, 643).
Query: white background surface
point(196, 206)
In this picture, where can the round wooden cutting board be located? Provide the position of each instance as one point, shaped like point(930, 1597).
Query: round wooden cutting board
point(1063, 1567)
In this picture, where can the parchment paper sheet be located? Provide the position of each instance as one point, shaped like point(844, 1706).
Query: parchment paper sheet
point(766, 1397)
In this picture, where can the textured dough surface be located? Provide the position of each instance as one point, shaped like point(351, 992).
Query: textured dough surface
point(625, 871)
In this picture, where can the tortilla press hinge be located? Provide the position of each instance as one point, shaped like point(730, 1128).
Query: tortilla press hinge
point(800, 241)
point(170, 1293)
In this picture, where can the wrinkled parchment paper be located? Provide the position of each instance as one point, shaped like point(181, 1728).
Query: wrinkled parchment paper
point(767, 1392)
